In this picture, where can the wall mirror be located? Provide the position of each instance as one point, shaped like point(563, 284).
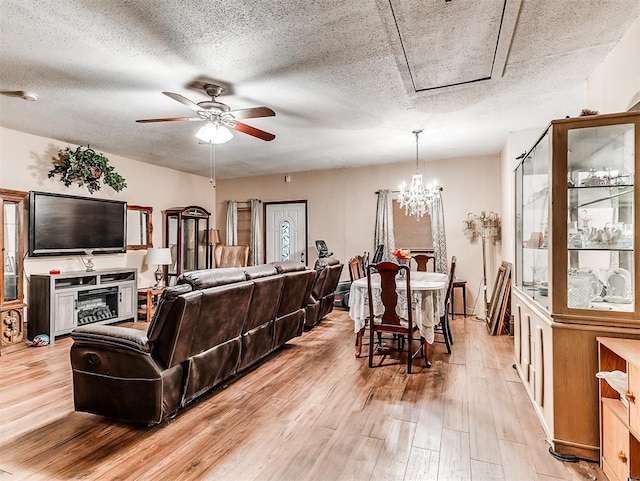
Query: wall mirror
point(139, 227)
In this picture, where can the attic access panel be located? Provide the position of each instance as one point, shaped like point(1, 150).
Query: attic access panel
point(447, 43)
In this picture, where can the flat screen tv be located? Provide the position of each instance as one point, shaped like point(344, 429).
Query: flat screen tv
point(66, 224)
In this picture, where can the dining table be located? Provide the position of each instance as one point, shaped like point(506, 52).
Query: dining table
point(428, 296)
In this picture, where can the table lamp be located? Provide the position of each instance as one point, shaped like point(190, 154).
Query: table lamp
point(214, 238)
point(160, 256)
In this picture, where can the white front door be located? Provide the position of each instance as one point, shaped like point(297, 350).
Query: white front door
point(286, 231)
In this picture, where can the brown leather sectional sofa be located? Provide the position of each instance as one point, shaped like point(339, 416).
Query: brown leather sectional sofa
point(211, 326)
point(324, 289)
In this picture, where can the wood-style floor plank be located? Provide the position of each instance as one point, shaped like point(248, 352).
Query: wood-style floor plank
point(422, 464)
point(483, 439)
point(455, 460)
point(310, 412)
point(481, 471)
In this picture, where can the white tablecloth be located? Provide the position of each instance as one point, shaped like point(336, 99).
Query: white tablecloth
point(428, 291)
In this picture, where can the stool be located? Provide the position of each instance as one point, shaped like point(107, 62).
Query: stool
point(459, 283)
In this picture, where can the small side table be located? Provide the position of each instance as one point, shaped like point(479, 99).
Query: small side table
point(148, 298)
point(459, 284)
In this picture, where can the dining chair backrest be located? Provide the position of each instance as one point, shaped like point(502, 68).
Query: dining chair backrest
point(422, 261)
point(388, 294)
point(356, 268)
point(377, 255)
point(452, 277)
point(443, 327)
point(390, 321)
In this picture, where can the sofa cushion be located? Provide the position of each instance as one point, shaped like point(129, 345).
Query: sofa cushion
point(288, 266)
point(167, 299)
point(296, 291)
point(325, 262)
point(212, 277)
point(222, 315)
point(264, 301)
point(318, 284)
point(171, 335)
point(262, 270)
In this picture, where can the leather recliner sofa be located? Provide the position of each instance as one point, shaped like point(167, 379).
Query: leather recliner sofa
point(208, 328)
point(323, 291)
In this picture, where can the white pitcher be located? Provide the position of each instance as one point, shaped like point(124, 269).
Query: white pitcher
point(581, 291)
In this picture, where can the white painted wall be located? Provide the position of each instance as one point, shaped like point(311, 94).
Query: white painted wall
point(517, 143)
point(342, 205)
point(615, 85)
point(25, 160)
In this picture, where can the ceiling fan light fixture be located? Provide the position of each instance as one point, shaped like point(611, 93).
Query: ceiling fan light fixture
point(214, 133)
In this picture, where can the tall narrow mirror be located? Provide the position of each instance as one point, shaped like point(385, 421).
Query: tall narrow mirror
point(139, 227)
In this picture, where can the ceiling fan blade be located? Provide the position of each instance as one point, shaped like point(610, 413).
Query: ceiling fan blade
point(247, 129)
point(184, 101)
point(170, 119)
point(252, 113)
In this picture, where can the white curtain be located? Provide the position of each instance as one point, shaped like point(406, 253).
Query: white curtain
point(255, 248)
point(232, 223)
point(436, 212)
point(384, 224)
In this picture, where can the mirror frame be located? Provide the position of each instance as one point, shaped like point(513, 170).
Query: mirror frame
point(149, 212)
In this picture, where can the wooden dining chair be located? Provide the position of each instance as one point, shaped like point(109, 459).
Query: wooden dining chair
point(444, 328)
point(356, 268)
point(390, 322)
point(422, 262)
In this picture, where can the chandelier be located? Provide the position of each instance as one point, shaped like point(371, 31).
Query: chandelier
point(418, 198)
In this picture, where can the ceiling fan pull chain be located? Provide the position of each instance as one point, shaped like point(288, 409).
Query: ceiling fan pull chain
point(212, 164)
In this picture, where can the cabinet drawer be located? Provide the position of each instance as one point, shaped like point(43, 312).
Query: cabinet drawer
point(615, 443)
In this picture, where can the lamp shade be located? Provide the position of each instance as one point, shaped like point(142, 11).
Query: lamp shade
point(159, 256)
point(214, 236)
point(214, 133)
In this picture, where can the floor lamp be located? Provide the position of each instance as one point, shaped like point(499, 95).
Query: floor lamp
point(485, 226)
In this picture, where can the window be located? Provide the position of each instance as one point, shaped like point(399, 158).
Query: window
point(410, 233)
point(285, 240)
point(244, 225)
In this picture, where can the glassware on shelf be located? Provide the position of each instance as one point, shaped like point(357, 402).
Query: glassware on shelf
point(88, 261)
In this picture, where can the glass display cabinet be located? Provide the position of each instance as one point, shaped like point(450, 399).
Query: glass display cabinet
point(532, 256)
point(12, 239)
point(185, 232)
point(576, 269)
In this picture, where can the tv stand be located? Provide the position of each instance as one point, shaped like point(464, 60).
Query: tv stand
point(58, 303)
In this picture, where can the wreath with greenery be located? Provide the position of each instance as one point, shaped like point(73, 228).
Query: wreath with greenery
point(84, 166)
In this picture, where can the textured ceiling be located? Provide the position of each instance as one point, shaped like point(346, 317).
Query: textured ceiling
point(349, 81)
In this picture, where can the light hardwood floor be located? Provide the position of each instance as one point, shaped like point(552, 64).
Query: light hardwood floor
point(311, 412)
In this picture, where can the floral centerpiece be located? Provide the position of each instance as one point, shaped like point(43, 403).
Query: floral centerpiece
point(402, 255)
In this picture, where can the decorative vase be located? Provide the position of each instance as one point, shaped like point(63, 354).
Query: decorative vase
point(402, 262)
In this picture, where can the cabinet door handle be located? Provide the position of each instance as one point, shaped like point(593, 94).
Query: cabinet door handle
point(622, 457)
point(630, 397)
